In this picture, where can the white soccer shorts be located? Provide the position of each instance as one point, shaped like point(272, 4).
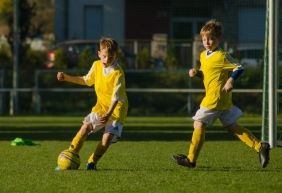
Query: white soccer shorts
point(112, 126)
point(226, 117)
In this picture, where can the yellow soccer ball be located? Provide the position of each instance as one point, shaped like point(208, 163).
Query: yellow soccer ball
point(68, 160)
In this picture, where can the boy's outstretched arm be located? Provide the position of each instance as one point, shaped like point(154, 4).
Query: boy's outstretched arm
point(61, 76)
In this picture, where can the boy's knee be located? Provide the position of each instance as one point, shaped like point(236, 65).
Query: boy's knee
point(107, 138)
point(86, 128)
point(199, 125)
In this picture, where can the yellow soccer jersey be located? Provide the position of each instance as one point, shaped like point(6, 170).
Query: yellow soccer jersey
point(216, 68)
point(109, 85)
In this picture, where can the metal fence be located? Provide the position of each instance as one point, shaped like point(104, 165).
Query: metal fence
point(36, 95)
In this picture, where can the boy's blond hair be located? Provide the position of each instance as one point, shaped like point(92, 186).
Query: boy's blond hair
point(212, 28)
point(110, 44)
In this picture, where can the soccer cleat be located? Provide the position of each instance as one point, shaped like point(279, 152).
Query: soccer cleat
point(57, 168)
point(182, 160)
point(91, 166)
point(264, 154)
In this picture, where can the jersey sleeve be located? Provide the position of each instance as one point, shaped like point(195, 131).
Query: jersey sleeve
point(119, 89)
point(89, 78)
point(231, 64)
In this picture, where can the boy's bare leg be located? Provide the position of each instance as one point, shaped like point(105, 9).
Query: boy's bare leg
point(80, 137)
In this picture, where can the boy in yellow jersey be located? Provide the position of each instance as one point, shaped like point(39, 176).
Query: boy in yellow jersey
point(110, 110)
point(218, 71)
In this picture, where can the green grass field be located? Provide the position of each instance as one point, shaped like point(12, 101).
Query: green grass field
point(140, 162)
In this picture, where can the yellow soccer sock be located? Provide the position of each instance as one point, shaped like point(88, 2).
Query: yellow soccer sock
point(77, 142)
point(90, 159)
point(247, 137)
point(197, 141)
point(99, 152)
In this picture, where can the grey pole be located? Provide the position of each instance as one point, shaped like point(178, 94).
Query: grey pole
point(16, 39)
point(272, 58)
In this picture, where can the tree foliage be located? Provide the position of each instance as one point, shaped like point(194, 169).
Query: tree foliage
point(6, 11)
point(26, 12)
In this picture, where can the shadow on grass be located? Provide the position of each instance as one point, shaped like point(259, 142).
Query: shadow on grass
point(130, 133)
point(197, 169)
point(236, 169)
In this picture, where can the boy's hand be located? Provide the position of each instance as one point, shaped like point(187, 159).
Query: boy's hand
point(192, 72)
point(104, 118)
point(228, 85)
point(61, 76)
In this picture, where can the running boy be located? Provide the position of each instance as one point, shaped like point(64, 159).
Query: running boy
point(218, 71)
point(110, 110)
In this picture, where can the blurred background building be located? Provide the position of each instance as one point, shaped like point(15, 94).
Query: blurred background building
point(141, 19)
point(178, 20)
